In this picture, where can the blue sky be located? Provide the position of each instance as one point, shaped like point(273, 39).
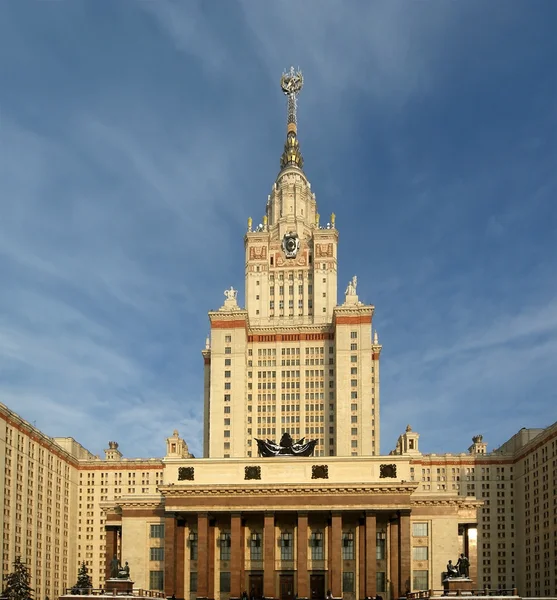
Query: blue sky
point(137, 137)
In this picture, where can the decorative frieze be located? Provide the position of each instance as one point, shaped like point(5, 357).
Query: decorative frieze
point(186, 473)
point(320, 472)
point(387, 471)
point(252, 473)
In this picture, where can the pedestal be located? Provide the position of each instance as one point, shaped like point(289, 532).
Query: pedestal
point(457, 585)
point(119, 586)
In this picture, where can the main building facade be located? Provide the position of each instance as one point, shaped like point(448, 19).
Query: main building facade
point(348, 518)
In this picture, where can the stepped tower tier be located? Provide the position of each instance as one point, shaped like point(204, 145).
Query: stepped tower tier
point(292, 361)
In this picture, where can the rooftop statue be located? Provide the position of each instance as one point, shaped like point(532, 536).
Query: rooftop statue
point(286, 447)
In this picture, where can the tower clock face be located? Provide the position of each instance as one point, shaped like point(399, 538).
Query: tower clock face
point(290, 244)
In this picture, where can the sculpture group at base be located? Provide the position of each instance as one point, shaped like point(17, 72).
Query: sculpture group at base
point(461, 569)
point(286, 447)
point(117, 571)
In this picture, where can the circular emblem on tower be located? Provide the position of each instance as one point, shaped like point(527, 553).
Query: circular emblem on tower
point(290, 244)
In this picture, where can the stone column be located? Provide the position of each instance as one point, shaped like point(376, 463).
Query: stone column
point(302, 556)
point(405, 553)
point(471, 549)
point(394, 557)
point(371, 555)
point(202, 555)
point(236, 555)
point(211, 559)
point(111, 547)
point(180, 558)
point(361, 559)
point(169, 555)
point(335, 559)
point(269, 555)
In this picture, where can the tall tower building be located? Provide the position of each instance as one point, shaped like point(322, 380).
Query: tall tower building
point(293, 360)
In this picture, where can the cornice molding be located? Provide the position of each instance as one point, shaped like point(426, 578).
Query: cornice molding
point(174, 491)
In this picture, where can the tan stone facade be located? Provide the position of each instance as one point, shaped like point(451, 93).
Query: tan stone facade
point(293, 360)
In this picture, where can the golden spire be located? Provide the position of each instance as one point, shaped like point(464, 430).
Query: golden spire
point(291, 83)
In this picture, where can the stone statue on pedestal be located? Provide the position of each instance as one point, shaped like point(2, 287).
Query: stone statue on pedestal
point(114, 567)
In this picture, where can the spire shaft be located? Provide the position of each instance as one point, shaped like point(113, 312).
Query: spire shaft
point(291, 83)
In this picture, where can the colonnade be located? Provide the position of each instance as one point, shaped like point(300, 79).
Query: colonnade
point(282, 579)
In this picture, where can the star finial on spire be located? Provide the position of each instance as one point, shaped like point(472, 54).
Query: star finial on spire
point(291, 83)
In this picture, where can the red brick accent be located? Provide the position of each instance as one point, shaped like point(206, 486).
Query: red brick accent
point(394, 558)
point(302, 566)
point(352, 320)
point(404, 552)
point(169, 556)
point(361, 560)
point(335, 560)
point(211, 553)
point(180, 558)
point(371, 557)
point(237, 324)
point(375, 356)
point(269, 555)
point(111, 547)
point(236, 555)
point(202, 555)
point(207, 360)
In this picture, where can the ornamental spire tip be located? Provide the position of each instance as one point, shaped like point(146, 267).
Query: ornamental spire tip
point(291, 84)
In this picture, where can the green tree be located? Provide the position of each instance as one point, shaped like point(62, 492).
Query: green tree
point(17, 585)
point(83, 578)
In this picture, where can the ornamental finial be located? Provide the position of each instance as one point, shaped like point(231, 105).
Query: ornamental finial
point(291, 83)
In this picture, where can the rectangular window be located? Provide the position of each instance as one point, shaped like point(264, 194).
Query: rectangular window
point(228, 350)
point(193, 581)
point(380, 581)
point(354, 382)
point(224, 543)
point(227, 373)
point(227, 339)
point(227, 385)
point(225, 581)
point(420, 553)
point(286, 549)
point(156, 580)
point(227, 397)
point(353, 358)
point(316, 544)
point(419, 579)
point(227, 362)
point(157, 531)
point(193, 546)
point(353, 346)
point(353, 370)
point(157, 553)
point(256, 548)
point(381, 542)
point(348, 546)
point(353, 334)
point(347, 581)
point(419, 529)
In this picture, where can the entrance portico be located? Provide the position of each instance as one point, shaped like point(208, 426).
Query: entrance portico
point(276, 541)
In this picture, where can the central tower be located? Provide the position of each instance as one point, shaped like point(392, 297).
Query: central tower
point(291, 260)
point(293, 360)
